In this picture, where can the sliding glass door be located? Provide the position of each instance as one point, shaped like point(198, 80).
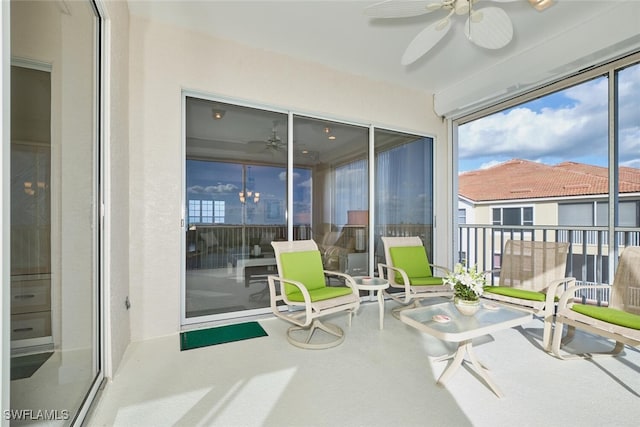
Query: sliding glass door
point(248, 183)
point(336, 155)
point(404, 188)
point(55, 245)
point(235, 206)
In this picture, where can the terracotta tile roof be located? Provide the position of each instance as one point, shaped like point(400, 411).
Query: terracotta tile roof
point(524, 179)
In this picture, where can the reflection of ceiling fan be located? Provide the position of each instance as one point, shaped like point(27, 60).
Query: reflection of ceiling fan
point(273, 144)
point(489, 27)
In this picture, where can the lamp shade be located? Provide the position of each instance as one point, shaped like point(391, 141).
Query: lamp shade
point(357, 217)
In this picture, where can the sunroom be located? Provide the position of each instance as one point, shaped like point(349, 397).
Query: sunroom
point(182, 138)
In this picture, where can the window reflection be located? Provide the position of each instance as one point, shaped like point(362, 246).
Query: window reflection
point(335, 155)
point(236, 198)
point(404, 188)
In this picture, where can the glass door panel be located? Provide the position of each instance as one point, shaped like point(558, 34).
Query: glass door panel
point(332, 194)
point(235, 206)
point(404, 188)
point(55, 351)
point(628, 225)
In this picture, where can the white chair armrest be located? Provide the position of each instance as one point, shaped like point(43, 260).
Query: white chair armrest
point(348, 279)
point(554, 289)
point(439, 267)
point(383, 270)
point(569, 294)
point(305, 294)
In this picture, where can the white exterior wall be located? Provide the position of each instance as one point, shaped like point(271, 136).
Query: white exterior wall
point(164, 61)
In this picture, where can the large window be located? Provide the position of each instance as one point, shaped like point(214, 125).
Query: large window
point(551, 150)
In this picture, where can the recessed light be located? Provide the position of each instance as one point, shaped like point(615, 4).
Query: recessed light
point(217, 113)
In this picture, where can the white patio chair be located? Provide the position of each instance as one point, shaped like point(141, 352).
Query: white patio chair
point(531, 273)
point(619, 321)
point(301, 285)
point(407, 268)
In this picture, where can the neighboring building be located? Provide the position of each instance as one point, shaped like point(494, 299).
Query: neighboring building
point(525, 193)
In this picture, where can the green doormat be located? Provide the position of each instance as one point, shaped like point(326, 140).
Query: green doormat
point(220, 335)
point(25, 366)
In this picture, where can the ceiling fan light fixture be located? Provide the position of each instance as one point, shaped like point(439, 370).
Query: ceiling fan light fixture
point(462, 7)
point(476, 16)
point(541, 5)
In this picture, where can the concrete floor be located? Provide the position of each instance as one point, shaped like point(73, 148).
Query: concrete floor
point(375, 378)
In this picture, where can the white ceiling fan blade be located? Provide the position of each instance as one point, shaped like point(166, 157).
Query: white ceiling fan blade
point(493, 31)
point(401, 9)
point(425, 40)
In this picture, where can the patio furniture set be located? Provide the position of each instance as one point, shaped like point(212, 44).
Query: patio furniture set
point(531, 282)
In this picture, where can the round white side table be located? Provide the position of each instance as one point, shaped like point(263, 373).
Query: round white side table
point(368, 283)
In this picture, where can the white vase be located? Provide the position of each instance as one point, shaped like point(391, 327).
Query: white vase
point(466, 307)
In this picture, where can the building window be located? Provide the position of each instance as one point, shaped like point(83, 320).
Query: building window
point(462, 216)
point(218, 211)
point(513, 216)
point(202, 211)
point(207, 211)
point(194, 211)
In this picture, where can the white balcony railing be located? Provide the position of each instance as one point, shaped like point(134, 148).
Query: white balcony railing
point(588, 259)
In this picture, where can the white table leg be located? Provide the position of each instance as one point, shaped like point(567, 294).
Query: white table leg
point(466, 347)
point(381, 307)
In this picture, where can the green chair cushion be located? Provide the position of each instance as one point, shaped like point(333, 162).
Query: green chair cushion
point(426, 281)
point(413, 260)
point(327, 292)
point(609, 315)
point(304, 267)
point(516, 293)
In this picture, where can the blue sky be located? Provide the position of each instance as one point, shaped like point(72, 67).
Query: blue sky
point(570, 125)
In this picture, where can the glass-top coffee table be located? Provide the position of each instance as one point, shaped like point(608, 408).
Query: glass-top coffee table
point(444, 322)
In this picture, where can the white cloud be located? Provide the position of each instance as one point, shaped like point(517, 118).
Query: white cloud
point(282, 176)
point(570, 126)
point(213, 189)
point(489, 164)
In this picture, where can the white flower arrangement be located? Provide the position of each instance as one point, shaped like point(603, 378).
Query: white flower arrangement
point(466, 283)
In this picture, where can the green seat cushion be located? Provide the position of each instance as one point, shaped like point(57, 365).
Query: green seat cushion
point(413, 260)
point(426, 281)
point(515, 293)
point(327, 292)
point(304, 267)
point(609, 315)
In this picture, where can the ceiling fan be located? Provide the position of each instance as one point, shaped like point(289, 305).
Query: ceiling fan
point(489, 27)
point(272, 144)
